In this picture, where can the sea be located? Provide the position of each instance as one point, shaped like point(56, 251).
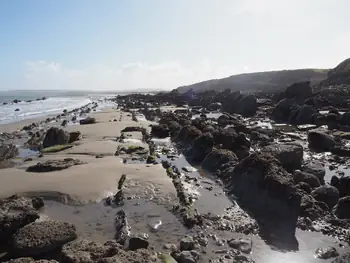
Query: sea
point(54, 103)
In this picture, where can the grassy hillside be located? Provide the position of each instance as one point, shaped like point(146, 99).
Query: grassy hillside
point(260, 81)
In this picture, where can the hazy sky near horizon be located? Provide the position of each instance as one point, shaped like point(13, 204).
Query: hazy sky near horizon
point(162, 44)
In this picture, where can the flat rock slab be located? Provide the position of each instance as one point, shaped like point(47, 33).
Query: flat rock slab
point(54, 165)
point(30, 260)
point(41, 237)
point(15, 212)
point(86, 251)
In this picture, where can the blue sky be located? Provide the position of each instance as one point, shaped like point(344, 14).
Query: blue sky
point(161, 44)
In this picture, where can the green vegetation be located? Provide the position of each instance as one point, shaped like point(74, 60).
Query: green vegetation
point(166, 258)
point(56, 148)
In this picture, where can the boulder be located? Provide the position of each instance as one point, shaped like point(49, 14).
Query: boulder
point(299, 91)
point(283, 109)
point(327, 194)
point(15, 213)
point(88, 120)
point(189, 133)
point(262, 186)
point(342, 184)
point(74, 136)
point(214, 106)
point(290, 155)
point(122, 227)
point(8, 151)
point(305, 177)
point(187, 243)
point(320, 141)
point(218, 160)
point(316, 168)
point(64, 123)
point(42, 237)
point(345, 258)
point(201, 147)
point(304, 115)
point(53, 165)
point(345, 118)
point(136, 243)
point(186, 256)
point(342, 209)
point(55, 136)
point(160, 131)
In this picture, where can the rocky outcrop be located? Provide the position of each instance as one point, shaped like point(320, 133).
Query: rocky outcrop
point(15, 212)
point(53, 165)
point(290, 155)
point(188, 133)
point(320, 141)
point(299, 91)
point(55, 136)
point(42, 237)
point(201, 147)
point(218, 160)
point(264, 188)
point(239, 103)
point(327, 194)
point(283, 109)
point(30, 260)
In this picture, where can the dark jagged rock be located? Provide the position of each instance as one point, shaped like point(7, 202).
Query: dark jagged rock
point(160, 131)
point(186, 256)
point(55, 136)
point(215, 106)
point(38, 202)
point(345, 118)
point(188, 133)
point(299, 91)
point(342, 151)
point(218, 160)
point(343, 258)
point(283, 109)
point(303, 115)
point(342, 184)
point(290, 155)
point(264, 188)
point(304, 186)
point(342, 209)
point(201, 147)
point(136, 243)
point(327, 194)
point(326, 253)
point(8, 151)
point(316, 168)
point(64, 123)
point(15, 213)
point(42, 237)
point(187, 243)
point(121, 181)
point(320, 141)
point(53, 165)
point(121, 227)
point(87, 121)
point(74, 136)
point(305, 177)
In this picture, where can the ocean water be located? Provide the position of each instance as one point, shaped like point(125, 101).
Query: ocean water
point(55, 103)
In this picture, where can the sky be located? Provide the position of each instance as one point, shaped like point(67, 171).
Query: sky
point(163, 44)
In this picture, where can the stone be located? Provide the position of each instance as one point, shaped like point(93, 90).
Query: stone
point(345, 258)
point(122, 227)
point(121, 181)
point(327, 194)
point(201, 147)
point(136, 243)
point(342, 184)
point(326, 253)
point(305, 177)
point(54, 165)
point(160, 131)
point(42, 237)
point(15, 213)
point(243, 245)
point(64, 123)
point(87, 121)
point(8, 151)
point(185, 256)
point(262, 186)
point(187, 243)
point(316, 168)
point(74, 136)
point(290, 155)
point(304, 115)
point(30, 260)
point(38, 202)
point(320, 141)
point(55, 136)
point(219, 159)
point(283, 109)
point(17, 109)
point(342, 209)
point(215, 106)
point(188, 133)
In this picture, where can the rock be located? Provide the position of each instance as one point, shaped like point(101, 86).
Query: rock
point(121, 181)
point(305, 177)
point(121, 227)
point(342, 209)
point(186, 256)
point(262, 186)
point(88, 120)
point(290, 155)
point(243, 245)
point(8, 151)
point(343, 258)
point(320, 141)
point(30, 260)
point(342, 151)
point(17, 109)
point(283, 109)
point(316, 168)
point(64, 123)
point(136, 243)
point(187, 243)
point(326, 253)
point(304, 186)
point(38, 202)
point(219, 159)
point(327, 194)
point(55, 136)
point(342, 184)
point(16, 101)
point(299, 91)
point(74, 136)
point(214, 106)
point(201, 147)
point(15, 213)
point(189, 133)
point(345, 118)
point(35, 142)
point(42, 237)
point(160, 131)
point(304, 115)
point(53, 165)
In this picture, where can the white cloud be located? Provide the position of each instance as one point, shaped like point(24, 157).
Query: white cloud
point(131, 76)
